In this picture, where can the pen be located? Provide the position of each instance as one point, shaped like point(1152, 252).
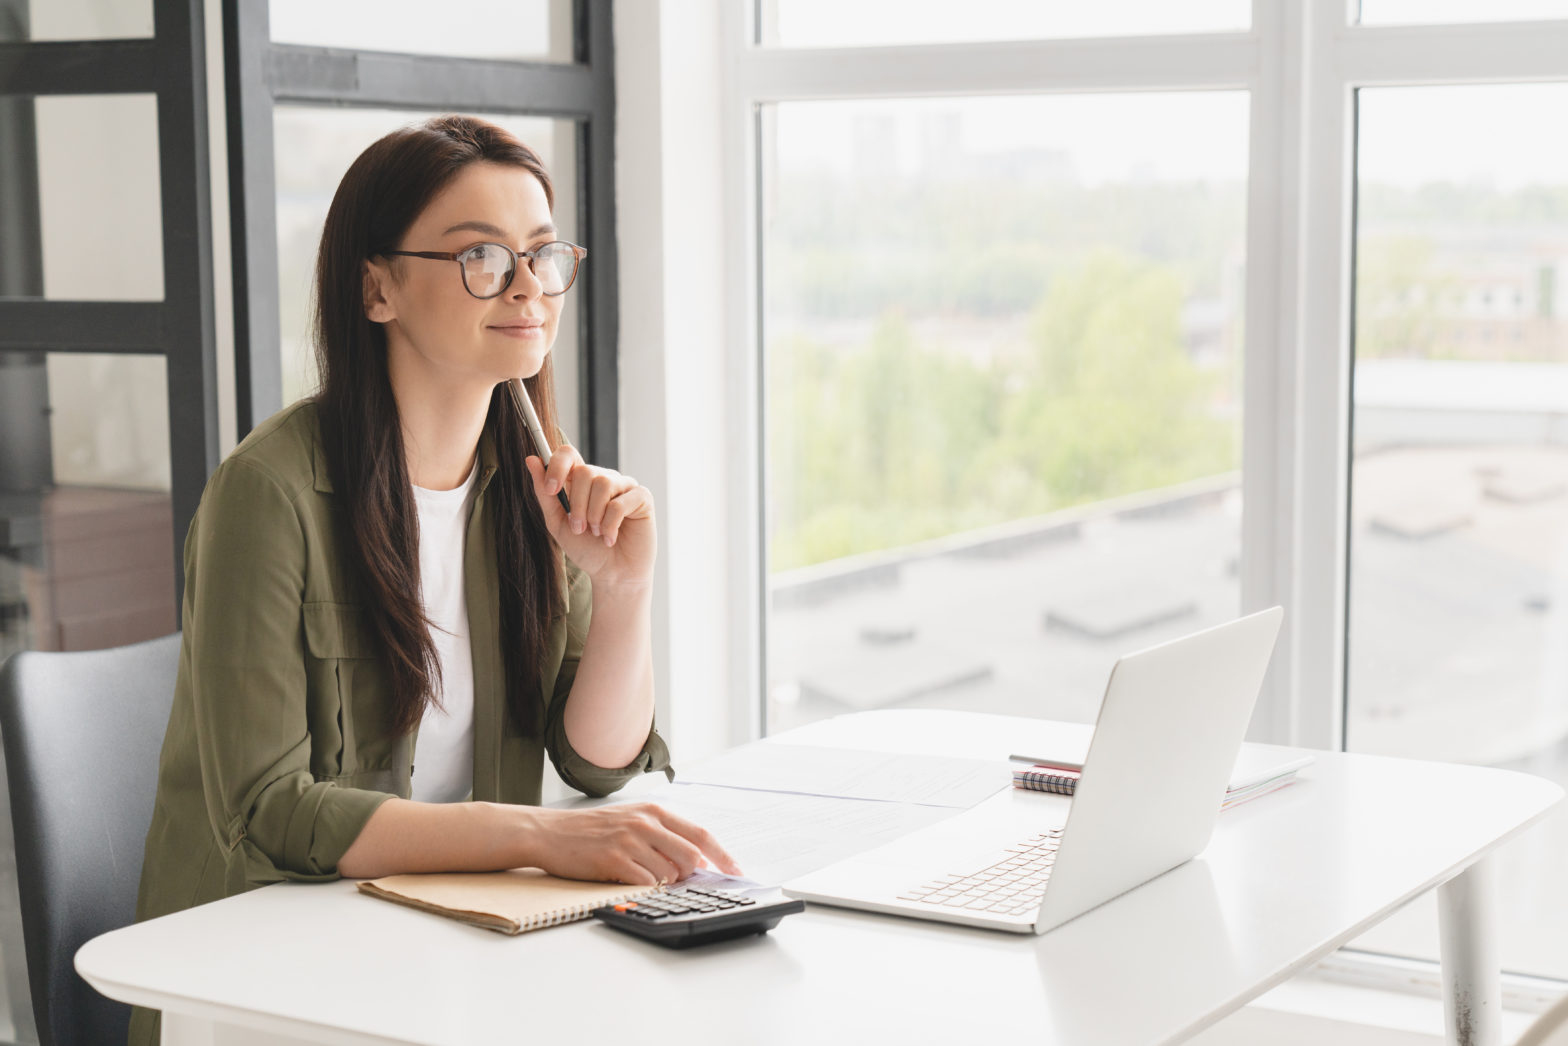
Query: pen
point(526, 405)
point(1060, 764)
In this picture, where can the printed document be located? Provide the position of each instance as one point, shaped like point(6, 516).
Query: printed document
point(849, 773)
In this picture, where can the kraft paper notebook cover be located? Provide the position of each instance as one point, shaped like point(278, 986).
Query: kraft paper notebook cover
point(511, 902)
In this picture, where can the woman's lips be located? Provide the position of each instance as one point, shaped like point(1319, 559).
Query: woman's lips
point(520, 331)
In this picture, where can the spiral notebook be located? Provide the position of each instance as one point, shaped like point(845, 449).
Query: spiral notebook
point(1258, 771)
point(513, 901)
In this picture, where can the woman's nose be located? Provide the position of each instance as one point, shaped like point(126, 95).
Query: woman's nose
point(525, 285)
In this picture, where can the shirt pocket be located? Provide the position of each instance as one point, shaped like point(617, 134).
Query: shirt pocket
point(337, 644)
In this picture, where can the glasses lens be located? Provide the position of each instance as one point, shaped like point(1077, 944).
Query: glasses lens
point(555, 265)
point(487, 269)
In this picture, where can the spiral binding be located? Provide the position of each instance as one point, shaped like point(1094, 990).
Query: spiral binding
point(1045, 779)
point(582, 911)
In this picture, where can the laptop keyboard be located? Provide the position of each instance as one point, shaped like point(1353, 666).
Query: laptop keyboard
point(1012, 885)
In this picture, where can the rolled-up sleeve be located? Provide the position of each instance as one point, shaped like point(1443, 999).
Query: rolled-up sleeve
point(576, 771)
point(245, 565)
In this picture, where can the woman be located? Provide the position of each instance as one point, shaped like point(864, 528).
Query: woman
point(381, 568)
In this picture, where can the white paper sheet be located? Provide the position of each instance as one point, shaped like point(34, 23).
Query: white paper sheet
point(848, 773)
point(777, 836)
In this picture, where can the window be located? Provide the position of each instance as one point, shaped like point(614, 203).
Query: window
point(48, 20)
point(1459, 481)
point(317, 83)
point(1002, 342)
point(518, 30)
point(108, 405)
point(314, 147)
point(1437, 12)
point(107, 413)
point(906, 553)
point(822, 23)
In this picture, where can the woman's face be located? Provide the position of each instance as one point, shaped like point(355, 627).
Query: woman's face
point(443, 331)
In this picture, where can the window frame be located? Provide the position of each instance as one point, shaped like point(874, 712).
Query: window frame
point(1302, 63)
point(172, 66)
point(261, 74)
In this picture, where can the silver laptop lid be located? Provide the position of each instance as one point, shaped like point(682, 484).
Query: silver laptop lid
point(1168, 733)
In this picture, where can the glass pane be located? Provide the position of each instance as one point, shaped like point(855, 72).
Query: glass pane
point(86, 527)
point(1444, 12)
point(1003, 366)
point(23, 20)
point(80, 204)
point(535, 30)
point(1459, 484)
point(315, 146)
point(871, 23)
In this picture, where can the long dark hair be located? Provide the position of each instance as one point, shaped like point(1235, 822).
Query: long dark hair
point(379, 198)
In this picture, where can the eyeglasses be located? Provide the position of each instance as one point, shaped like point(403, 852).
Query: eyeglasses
point(488, 268)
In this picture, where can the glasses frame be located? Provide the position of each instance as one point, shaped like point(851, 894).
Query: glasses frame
point(578, 254)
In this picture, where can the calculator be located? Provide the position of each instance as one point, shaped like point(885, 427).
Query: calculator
point(693, 915)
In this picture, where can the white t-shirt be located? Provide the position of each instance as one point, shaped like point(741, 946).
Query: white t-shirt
point(444, 755)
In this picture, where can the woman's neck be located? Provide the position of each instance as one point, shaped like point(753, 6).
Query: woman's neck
point(441, 421)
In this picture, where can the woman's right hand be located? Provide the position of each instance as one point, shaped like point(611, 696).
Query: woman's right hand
point(636, 843)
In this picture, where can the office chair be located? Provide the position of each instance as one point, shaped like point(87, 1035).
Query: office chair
point(1550, 1028)
point(82, 734)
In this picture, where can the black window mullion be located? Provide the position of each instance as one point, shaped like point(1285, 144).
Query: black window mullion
point(253, 219)
point(135, 327)
point(401, 81)
point(170, 66)
point(80, 67)
point(190, 335)
point(600, 363)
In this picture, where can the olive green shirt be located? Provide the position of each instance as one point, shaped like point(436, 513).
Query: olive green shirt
point(280, 745)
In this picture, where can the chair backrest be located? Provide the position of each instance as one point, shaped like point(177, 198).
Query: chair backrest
point(82, 735)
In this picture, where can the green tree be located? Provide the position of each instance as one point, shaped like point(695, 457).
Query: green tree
point(892, 443)
point(1399, 293)
point(1114, 405)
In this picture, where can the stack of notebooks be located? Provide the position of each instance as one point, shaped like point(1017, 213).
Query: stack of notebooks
point(1258, 772)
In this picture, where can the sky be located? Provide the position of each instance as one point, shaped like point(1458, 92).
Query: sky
point(1494, 133)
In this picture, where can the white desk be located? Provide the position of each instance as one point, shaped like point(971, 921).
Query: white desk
point(1288, 878)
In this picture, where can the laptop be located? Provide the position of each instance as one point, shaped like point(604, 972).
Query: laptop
point(1169, 731)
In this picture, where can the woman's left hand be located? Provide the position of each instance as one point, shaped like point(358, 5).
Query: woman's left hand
point(610, 533)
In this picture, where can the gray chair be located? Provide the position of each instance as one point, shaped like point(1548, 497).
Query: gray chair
point(82, 735)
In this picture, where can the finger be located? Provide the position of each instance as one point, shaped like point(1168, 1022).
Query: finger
point(636, 503)
point(658, 865)
point(700, 836)
point(633, 872)
point(683, 855)
point(579, 485)
point(562, 461)
point(600, 491)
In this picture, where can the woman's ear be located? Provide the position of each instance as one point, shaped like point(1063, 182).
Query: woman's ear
point(376, 280)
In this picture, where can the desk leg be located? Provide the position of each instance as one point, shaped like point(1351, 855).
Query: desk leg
point(1472, 977)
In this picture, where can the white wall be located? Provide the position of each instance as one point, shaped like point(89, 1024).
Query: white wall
point(669, 184)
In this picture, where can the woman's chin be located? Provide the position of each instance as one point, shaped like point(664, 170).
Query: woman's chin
point(525, 366)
